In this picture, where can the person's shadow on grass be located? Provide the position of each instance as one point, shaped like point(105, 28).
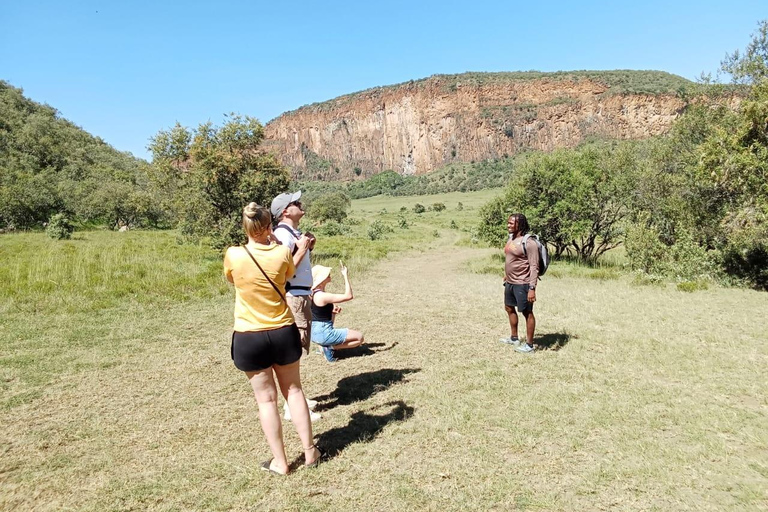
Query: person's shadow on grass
point(364, 350)
point(363, 427)
point(362, 386)
point(553, 340)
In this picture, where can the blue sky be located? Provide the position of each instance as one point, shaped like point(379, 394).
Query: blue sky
point(124, 70)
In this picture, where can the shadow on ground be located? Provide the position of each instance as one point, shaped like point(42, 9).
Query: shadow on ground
point(363, 427)
point(364, 350)
point(553, 340)
point(361, 387)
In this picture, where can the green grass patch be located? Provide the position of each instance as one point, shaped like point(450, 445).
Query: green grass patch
point(692, 286)
point(102, 269)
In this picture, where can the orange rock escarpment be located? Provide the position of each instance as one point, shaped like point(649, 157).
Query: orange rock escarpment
point(416, 127)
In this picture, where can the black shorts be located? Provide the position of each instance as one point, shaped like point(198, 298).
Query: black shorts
point(258, 350)
point(516, 296)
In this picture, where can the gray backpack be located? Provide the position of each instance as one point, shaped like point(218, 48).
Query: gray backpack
point(543, 255)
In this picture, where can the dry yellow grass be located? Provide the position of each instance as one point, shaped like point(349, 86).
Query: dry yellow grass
point(656, 400)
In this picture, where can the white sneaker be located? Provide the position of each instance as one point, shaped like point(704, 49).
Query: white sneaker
point(313, 416)
point(311, 404)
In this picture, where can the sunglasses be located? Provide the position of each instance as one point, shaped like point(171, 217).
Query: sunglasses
point(295, 203)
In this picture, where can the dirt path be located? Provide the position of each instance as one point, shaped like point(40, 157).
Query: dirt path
point(417, 297)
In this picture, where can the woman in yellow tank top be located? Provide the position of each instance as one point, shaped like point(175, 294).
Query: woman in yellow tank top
point(266, 340)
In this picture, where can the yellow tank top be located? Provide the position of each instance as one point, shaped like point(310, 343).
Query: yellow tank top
point(258, 307)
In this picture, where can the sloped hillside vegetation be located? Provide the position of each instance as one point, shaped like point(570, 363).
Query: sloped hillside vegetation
point(48, 165)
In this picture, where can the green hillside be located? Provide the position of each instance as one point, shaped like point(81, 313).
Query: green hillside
point(49, 165)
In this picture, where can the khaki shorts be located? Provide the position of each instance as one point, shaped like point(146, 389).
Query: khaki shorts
point(302, 313)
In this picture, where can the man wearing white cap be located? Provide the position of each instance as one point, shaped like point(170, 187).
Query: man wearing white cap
point(287, 211)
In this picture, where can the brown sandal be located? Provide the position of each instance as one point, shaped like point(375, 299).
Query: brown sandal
point(265, 466)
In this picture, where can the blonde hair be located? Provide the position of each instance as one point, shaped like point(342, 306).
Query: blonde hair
point(256, 219)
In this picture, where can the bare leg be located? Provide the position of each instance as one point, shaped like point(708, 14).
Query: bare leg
point(353, 340)
point(530, 326)
point(512, 320)
point(264, 389)
point(289, 378)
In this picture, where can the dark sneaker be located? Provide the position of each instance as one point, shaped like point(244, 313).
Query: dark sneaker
point(524, 348)
point(510, 341)
point(329, 354)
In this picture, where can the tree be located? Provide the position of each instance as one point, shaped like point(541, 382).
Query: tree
point(701, 203)
point(751, 66)
point(332, 206)
point(575, 200)
point(213, 172)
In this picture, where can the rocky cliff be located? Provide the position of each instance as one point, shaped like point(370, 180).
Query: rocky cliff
point(416, 127)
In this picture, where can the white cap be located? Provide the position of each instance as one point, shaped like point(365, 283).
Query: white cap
point(281, 202)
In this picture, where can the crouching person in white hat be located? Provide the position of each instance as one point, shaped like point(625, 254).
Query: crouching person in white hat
point(324, 310)
point(287, 211)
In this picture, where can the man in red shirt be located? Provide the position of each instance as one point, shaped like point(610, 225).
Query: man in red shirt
point(521, 272)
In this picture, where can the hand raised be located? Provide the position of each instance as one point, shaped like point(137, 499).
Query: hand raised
point(303, 242)
point(312, 240)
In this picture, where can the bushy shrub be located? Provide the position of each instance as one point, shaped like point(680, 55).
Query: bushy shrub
point(459, 207)
point(419, 208)
point(492, 227)
point(352, 221)
point(453, 224)
point(644, 249)
point(745, 256)
point(378, 229)
point(683, 260)
point(687, 260)
point(332, 228)
point(403, 223)
point(331, 206)
point(59, 227)
point(692, 286)
point(438, 207)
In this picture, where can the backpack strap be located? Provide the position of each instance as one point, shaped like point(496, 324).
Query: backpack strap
point(293, 234)
point(287, 228)
point(524, 242)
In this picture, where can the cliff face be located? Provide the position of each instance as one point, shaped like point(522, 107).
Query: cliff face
point(417, 127)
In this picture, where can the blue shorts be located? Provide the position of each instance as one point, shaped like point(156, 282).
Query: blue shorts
point(323, 333)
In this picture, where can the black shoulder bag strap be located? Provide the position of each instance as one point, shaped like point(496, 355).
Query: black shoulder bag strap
point(265, 275)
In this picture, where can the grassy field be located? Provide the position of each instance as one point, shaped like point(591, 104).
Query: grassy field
point(118, 392)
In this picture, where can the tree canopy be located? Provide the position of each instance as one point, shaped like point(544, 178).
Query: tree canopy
point(206, 176)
